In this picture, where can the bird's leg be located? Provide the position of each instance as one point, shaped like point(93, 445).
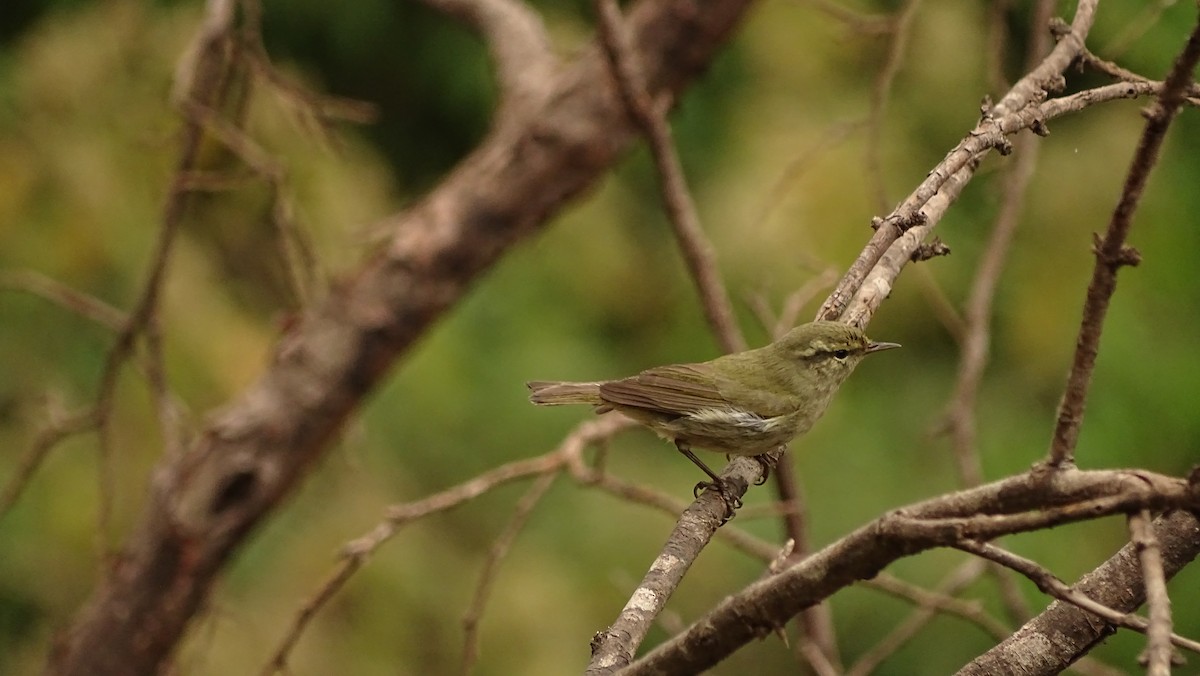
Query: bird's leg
point(732, 501)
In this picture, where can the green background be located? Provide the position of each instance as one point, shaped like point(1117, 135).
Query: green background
point(87, 145)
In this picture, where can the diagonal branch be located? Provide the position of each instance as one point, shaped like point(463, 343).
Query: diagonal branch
point(1112, 253)
point(698, 252)
point(990, 133)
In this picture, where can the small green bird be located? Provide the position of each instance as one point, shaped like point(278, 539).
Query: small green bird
point(746, 403)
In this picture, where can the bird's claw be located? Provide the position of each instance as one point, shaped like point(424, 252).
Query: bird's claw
point(728, 495)
point(767, 464)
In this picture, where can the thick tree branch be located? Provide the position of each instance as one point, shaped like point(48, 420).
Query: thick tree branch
point(520, 48)
point(254, 451)
point(1038, 499)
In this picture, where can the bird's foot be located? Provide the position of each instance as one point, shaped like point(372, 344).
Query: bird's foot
point(727, 490)
point(768, 463)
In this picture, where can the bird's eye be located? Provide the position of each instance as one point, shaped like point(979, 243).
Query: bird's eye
point(841, 354)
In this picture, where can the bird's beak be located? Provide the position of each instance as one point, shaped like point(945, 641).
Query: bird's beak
point(880, 347)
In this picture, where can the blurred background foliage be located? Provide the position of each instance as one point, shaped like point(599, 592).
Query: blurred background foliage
point(87, 144)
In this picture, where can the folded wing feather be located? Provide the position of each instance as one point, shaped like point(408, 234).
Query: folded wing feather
point(667, 390)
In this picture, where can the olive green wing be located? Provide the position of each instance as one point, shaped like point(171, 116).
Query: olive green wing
point(669, 391)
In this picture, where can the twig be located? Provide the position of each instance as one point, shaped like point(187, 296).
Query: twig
point(817, 643)
point(827, 139)
point(54, 291)
point(901, 31)
point(1158, 653)
point(942, 601)
point(929, 605)
point(1112, 253)
point(62, 427)
point(867, 24)
point(877, 283)
point(203, 79)
point(735, 537)
point(321, 108)
point(975, 338)
point(491, 566)
point(1048, 583)
point(977, 315)
point(59, 427)
point(698, 251)
point(1090, 60)
point(294, 247)
point(1138, 26)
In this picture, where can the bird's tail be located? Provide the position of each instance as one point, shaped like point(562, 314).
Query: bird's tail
point(547, 393)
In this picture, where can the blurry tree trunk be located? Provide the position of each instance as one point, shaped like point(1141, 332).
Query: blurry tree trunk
point(552, 139)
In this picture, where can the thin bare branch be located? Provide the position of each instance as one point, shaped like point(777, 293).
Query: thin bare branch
point(61, 425)
point(1117, 584)
point(1048, 583)
point(827, 140)
point(942, 601)
point(859, 22)
point(1158, 653)
point(929, 605)
point(1138, 26)
point(670, 506)
point(977, 315)
point(317, 111)
point(901, 32)
point(491, 566)
point(1112, 253)
point(975, 337)
point(294, 247)
point(698, 252)
point(71, 300)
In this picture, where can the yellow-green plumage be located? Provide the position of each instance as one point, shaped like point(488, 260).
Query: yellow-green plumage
point(746, 403)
